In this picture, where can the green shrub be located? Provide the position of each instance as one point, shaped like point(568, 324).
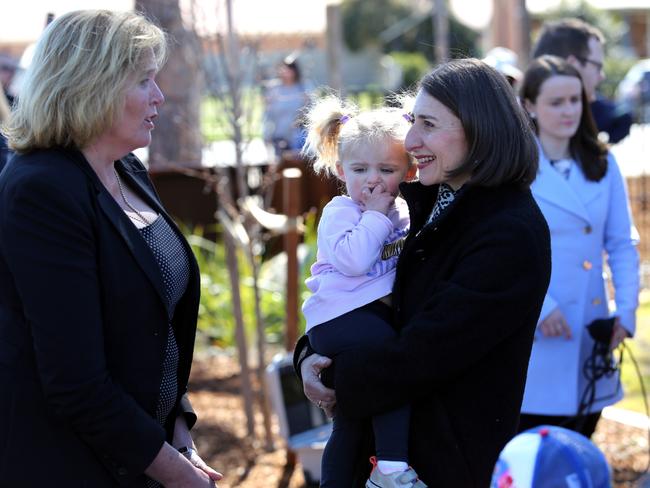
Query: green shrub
point(615, 69)
point(216, 321)
point(414, 67)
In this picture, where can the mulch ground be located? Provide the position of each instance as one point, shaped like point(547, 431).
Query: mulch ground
point(222, 439)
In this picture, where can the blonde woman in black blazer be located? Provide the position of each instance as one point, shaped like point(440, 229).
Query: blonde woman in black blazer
point(99, 290)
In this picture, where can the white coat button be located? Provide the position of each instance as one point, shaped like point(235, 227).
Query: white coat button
point(586, 265)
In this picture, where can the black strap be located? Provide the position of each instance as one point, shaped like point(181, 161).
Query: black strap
point(301, 352)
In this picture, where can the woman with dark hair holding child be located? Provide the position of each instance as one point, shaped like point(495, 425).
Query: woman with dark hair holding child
point(99, 291)
point(582, 195)
point(469, 285)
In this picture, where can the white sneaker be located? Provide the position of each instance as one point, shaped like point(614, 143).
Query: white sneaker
point(398, 479)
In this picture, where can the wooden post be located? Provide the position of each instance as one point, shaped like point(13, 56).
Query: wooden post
point(240, 334)
point(334, 48)
point(291, 181)
point(522, 21)
point(510, 27)
point(441, 29)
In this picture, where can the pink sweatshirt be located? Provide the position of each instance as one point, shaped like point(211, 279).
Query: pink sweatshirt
point(349, 271)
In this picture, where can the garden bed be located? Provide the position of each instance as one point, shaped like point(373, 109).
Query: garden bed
point(223, 442)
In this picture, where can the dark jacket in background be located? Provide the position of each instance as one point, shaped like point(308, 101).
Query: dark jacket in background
point(466, 299)
point(4, 152)
point(83, 327)
point(610, 119)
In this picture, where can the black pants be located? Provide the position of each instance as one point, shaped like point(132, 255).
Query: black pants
point(585, 425)
point(367, 325)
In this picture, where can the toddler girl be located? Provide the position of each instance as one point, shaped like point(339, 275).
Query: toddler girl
point(360, 236)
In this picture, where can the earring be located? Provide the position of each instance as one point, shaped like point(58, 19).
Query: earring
point(532, 115)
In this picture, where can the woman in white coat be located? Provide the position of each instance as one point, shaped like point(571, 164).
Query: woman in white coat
point(582, 194)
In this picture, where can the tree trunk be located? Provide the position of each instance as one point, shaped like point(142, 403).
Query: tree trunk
point(177, 138)
point(441, 30)
point(240, 333)
point(261, 352)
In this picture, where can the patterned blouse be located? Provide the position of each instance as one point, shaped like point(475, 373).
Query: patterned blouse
point(446, 195)
point(174, 266)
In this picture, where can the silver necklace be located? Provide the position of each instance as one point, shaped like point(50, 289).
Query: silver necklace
point(140, 217)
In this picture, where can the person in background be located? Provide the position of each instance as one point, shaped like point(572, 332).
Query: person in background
point(359, 239)
point(99, 290)
point(582, 45)
point(504, 60)
point(5, 112)
point(285, 99)
point(469, 285)
point(8, 67)
point(582, 194)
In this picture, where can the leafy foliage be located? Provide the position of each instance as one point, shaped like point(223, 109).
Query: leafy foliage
point(364, 21)
point(610, 24)
point(414, 67)
point(216, 322)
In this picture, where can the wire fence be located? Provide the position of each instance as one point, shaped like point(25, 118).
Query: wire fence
point(639, 193)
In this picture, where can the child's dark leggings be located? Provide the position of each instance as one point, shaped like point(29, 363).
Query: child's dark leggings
point(367, 325)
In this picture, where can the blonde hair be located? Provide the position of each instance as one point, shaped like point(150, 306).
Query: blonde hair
point(335, 126)
point(75, 84)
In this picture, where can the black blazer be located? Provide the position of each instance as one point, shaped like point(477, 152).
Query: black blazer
point(466, 299)
point(83, 327)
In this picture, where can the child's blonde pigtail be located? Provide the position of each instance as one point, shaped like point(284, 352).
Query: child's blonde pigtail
point(325, 119)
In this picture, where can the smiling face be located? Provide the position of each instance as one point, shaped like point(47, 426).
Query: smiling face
point(437, 141)
point(558, 107)
point(368, 165)
point(135, 119)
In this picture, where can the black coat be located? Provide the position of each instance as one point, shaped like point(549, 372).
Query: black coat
point(83, 327)
point(466, 299)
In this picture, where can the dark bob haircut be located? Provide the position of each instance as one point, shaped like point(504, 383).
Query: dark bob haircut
point(584, 146)
point(501, 144)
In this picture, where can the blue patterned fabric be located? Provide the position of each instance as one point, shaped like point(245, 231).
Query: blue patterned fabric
point(175, 269)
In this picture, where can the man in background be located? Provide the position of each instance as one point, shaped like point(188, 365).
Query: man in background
point(582, 45)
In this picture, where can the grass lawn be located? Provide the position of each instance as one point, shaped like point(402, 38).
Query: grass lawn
point(640, 347)
point(215, 125)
